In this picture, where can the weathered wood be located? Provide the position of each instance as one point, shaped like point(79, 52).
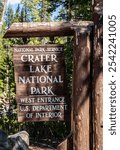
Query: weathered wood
point(81, 94)
point(44, 29)
point(40, 83)
point(98, 77)
point(66, 144)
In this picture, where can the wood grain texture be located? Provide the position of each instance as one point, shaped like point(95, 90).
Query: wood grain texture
point(81, 93)
point(43, 29)
point(98, 76)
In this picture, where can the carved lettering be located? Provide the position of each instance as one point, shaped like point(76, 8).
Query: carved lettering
point(42, 68)
point(42, 91)
point(39, 58)
point(39, 76)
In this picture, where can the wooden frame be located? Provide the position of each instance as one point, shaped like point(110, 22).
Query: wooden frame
point(80, 124)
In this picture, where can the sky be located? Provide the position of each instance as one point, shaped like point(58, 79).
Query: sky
point(13, 2)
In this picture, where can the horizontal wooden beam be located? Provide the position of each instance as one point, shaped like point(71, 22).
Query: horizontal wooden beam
point(44, 29)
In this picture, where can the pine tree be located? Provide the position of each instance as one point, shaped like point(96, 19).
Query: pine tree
point(17, 16)
point(35, 10)
point(9, 16)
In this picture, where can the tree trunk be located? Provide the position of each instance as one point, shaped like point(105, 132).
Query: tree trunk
point(98, 77)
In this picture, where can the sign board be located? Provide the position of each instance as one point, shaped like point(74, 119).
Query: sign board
point(40, 83)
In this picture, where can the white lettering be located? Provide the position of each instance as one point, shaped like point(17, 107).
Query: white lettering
point(41, 68)
point(39, 58)
point(40, 79)
point(23, 58)
point(49, 107)
point(24, 108)
point(49, 115)
point(41, 91)
point(51, 99)
point(29, 115)
point(27, 100)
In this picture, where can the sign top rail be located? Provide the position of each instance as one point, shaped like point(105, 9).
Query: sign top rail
point(45, 29)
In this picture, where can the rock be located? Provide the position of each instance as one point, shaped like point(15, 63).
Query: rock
point(4, 141)
point(19, 141)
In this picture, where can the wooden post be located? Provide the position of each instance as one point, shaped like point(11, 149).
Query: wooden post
point(81, 94)
point(66, 144)
point(98, 77)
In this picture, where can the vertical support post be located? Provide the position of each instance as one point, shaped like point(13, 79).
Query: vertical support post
point(81, 88)
point(98, 76)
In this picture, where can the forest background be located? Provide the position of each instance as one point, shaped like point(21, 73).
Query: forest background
point(36, 11)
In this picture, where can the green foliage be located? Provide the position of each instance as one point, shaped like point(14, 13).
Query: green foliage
point(35, 10)
point(1, 9)
point(9, 16)
point(75, 10)
point(8, 120)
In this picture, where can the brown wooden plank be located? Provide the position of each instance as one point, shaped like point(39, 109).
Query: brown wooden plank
point(48, 81)
point(43, 29)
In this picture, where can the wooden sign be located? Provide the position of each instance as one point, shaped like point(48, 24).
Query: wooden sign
point(40, 83)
